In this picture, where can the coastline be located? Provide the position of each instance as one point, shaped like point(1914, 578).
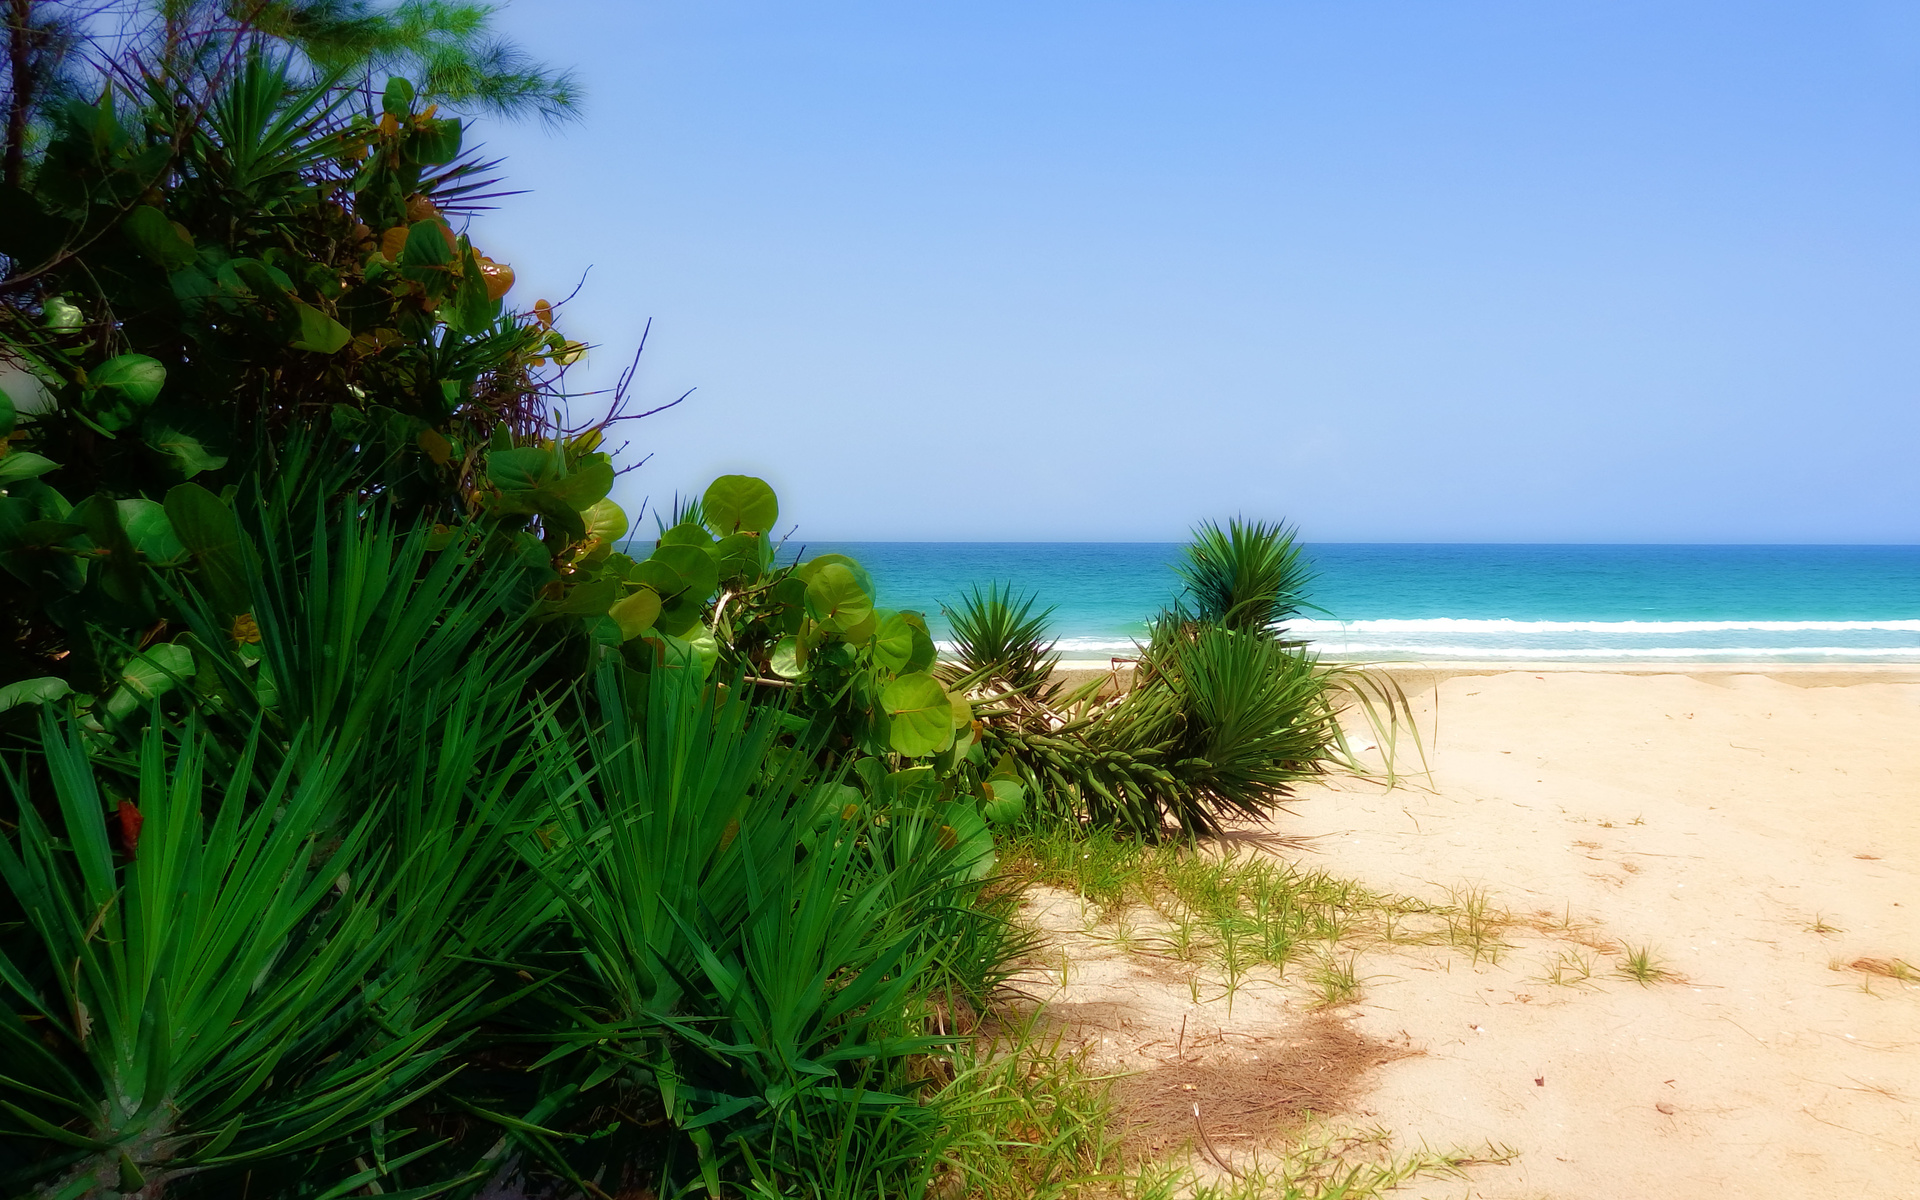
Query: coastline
point(1419, 676)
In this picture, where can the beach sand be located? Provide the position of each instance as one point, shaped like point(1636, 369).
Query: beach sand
point(1758, 832)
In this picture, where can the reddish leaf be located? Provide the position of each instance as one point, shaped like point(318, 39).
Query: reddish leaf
point(130, 822)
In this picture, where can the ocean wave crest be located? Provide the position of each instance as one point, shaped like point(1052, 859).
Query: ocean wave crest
point(1556, 652)
point(1509, 626)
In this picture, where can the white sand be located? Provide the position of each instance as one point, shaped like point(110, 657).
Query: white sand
point(1757, 835)
point(1719, 820)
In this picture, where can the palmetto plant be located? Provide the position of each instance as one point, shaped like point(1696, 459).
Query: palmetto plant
point(752, 944)
point(1248, 575)
point(215, 992)
point(997, 636)
point(1223, 714)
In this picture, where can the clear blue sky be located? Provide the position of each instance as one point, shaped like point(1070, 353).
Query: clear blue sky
point(1395, 270)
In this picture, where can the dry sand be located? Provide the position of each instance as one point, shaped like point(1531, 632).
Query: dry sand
point(1760, 835)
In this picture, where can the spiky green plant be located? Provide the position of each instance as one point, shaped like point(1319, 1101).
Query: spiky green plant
point(213, 993)
point(998, 638)
point(1249, 576)
point(758, 941)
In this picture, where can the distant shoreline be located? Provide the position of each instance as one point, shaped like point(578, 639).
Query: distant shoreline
point(1428, 674)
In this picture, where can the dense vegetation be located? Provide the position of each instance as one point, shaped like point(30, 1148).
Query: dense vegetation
point(380, 812)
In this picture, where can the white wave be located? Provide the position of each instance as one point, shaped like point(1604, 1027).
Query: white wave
point(1507, 626)
point(1081, 645)
point(1546, 653)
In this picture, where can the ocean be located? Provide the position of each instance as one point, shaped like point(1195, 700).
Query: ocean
point(1437, 602)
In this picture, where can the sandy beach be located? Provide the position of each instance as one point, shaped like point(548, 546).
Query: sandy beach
point(1756, 831)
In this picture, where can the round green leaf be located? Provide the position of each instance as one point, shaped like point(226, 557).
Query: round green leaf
point(636, 613)
point(1005, 801)
point(788, 661)
point(741, 556)
point(63, 315)
point(740, 504)
point(686, 533)
point(922, 715)
point(893, 642)
point(156, 669)
point(33, 691)
point(836, 599)
point(23, 464)
point(606, 521)
point(121, 389)
point(136, 377)
point(586, 485)
point(699, 575)
point(151, 532)
point(813, 566)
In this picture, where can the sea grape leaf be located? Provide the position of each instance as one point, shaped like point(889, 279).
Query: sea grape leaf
point(922, 715)
point(923, 652)
point(208, 530)
point(741, 556)
point(434, 143)
point(893, 642)
point(186, 438)
point(636, 613)
point(122, 388)
point(586, 485)
point(658, 576)
point(121, 571)
point(739, 504)
point(788, 660)
point(33, 691)
point(157, 238)
point(151, 533)
point(1004, 801)
point(23, 464)
point(521, 468)
point(148, 675)
point(699, 575)
point(680, 614)
point(317, 331)
point(860, 631)
point(397, 99)
point(591, 598)
point(686, 533)
point(605, 520)
point(807, 570)
point(836, 599)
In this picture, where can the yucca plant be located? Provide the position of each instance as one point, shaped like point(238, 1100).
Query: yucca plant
point(748, 949)
point(206, 996)
point(1248, 576)
point(998, 639)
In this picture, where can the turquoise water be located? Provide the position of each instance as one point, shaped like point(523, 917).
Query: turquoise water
point(1808, 603)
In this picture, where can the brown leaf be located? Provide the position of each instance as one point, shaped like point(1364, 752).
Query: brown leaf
point(130, 822)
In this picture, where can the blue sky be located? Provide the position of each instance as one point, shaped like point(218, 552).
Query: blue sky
point(1395, 270)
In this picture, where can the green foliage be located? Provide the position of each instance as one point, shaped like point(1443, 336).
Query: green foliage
point(998, 637)
point(1249, 576)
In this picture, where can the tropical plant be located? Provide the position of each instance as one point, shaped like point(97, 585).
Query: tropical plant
point(1249, 575)
point(1222, 717)
point(999, 638)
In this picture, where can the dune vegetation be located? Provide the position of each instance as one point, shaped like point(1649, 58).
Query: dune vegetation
point(381, 813)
